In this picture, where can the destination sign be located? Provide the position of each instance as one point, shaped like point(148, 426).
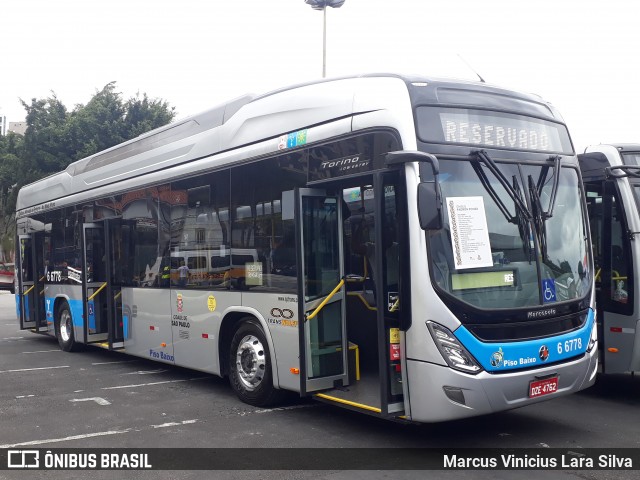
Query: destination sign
point(491, 129)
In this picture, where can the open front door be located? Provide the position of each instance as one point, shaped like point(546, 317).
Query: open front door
point(323, 342)
point(96, 285)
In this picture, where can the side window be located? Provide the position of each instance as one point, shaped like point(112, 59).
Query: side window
point(200, 240)
point(595, 212)
point(64, 253)
point(146, 234)
point(263, 256)
point(620, 290)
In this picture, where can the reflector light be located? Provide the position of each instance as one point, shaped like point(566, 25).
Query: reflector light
point(295, 371)
point(616, 329)
point(613, 350)
point(163, 344)
point(205, 335)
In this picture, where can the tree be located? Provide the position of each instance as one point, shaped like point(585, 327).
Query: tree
point(45, 148)
point(107, 121)
point(56, 137)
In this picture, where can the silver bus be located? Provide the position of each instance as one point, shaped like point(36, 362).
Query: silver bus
point(408, 247)
point(611, 175)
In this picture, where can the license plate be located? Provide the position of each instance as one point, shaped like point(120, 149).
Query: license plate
point(538, 388)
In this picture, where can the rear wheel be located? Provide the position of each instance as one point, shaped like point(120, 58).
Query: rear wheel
point(250, 366)
point(64, 328)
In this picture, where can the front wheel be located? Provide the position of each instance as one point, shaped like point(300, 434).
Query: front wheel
point(250, 366)
point(64, 328)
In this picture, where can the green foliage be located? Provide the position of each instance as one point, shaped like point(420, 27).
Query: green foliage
point(56, 137)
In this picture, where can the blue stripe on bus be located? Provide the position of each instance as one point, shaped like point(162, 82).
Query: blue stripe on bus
point(74, 305)
point(499, 356)
point(125, 327)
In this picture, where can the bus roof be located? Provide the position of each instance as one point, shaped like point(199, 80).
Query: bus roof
point(249, 119)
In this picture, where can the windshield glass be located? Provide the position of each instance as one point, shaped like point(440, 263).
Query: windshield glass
point(492, 258)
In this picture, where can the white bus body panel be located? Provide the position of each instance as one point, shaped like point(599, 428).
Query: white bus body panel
point(147, 323)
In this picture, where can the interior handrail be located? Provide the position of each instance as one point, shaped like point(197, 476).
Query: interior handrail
point(324, 302)
point(97, 291)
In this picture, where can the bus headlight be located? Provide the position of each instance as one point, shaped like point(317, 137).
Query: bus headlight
point(452, 350)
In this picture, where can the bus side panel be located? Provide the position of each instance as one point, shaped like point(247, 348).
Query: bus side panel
point(621, 333)
point(281, 314)
point(147, 323)
point(195, 322)
point(635, 359)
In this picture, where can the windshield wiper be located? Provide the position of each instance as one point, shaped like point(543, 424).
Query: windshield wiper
point(535, 190)
point(524, 226)
point(554, 188)
point(539, 217)
point(493, 194)
point(484, 157)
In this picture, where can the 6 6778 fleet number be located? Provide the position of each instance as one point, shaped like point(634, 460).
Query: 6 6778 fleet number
point(570, 345)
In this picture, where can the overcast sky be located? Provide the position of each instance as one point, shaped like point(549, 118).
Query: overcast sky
point(579, 55)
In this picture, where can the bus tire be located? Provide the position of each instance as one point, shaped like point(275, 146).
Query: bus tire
point(64, 328)
point(250, 366)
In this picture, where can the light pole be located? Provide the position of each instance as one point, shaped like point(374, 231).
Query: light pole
point(322, 5)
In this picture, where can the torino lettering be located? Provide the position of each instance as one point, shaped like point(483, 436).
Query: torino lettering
point(496, 135)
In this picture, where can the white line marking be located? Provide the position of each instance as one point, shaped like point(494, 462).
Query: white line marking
point(111, 363)
point(44, 351)
point(98, 400)
point(32, 369)
point(25, 396)
point(12, 338)
point(147, 372)
point(151, 384)
point(175, 424)
point(278, 409)
point(65, 439)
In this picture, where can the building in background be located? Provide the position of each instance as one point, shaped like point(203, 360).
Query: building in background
point(3, 125)
point(19, 128)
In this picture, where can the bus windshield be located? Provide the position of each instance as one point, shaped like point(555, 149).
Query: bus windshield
point(493, 254)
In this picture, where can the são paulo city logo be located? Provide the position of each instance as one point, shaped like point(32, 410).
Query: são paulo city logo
point(543, 353)
point(497, 358)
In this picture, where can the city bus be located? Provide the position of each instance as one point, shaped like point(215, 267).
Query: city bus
point(611, 175)
point(412, 248)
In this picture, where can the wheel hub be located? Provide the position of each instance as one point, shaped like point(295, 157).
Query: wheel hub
point(250, 362)
point(65, 326)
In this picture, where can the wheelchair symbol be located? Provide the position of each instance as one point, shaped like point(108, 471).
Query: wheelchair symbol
point(548, 291)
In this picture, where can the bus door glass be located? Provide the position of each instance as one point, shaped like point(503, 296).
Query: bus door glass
point(95, 284)
point(27, 287)
point(322, 300)
point(118, 266)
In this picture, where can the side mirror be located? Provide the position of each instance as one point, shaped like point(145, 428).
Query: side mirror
point(429, 206)
point(429, 198)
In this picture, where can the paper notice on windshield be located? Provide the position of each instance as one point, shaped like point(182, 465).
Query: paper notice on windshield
point(469, 232)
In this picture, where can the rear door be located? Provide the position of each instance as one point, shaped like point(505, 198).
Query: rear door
point(95, 285)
